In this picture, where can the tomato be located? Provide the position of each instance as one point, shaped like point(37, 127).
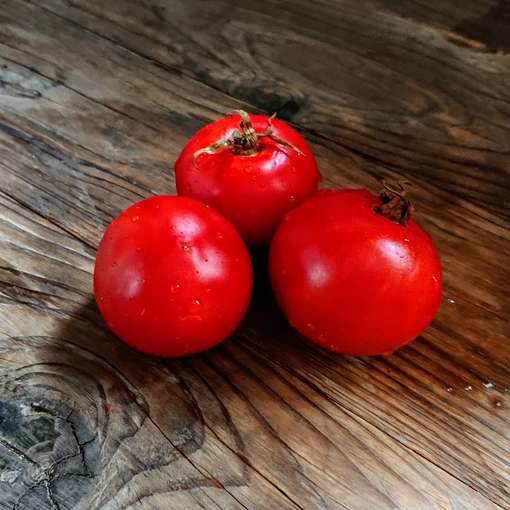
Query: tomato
point(250, 168)
point(172, 276)
point(353, 273)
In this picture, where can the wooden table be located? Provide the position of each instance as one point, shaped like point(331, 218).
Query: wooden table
point(97, 98)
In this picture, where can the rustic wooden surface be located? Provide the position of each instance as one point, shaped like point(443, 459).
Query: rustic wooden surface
point(96, 99)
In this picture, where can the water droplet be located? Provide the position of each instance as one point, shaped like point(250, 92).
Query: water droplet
point(134, 219)
point(497, 403)
point(219, 235)
point(406, 240)
point(292, 197)
point(196, 301)
point(468, 387)
point(434, 278)
point(449, 389)
point(488, 385)
point(175, 288)
point(185, 247)
point(450, 300)
point(310, 326)
point(142, 313)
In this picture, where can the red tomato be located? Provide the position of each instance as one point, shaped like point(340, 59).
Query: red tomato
point(351, 279)
point(250, 168)
point(172, 276)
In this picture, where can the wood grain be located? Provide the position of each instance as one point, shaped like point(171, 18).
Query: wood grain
point(423, 89)
point(265, 421)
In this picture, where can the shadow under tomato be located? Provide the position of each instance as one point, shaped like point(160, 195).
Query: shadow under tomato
point(268, 338)
point(80, 398)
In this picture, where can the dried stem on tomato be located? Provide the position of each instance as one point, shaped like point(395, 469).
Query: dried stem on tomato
point(394, 204)
point(245, 141)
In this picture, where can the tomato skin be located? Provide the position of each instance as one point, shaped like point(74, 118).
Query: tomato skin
point(253, 191)
point(352, 280)
point(172, 276)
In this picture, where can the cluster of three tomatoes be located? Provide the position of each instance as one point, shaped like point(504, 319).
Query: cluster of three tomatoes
point(352, 271)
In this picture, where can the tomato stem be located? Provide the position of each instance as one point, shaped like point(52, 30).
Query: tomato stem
point(246, 141)
point(394, 204)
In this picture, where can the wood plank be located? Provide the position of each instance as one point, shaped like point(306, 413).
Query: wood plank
point(81, 142)
point(139, 426)
point(219, 429)
point(419, 87)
